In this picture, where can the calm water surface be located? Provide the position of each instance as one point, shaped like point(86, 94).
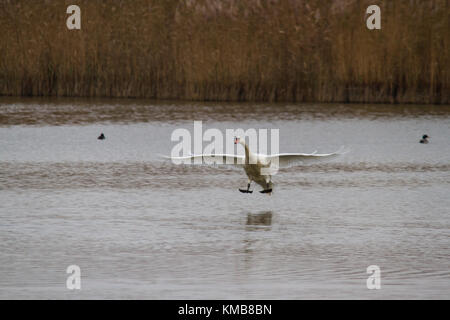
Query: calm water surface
point(141, 227)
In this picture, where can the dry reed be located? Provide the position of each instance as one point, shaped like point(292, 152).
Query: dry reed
point(229, 50)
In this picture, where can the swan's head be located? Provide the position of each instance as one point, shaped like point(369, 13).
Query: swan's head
point(237, 140)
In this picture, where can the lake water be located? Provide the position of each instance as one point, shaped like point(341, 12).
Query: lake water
point(140, 227)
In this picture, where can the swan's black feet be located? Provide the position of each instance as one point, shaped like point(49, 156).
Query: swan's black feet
point(245, 191)
point(266, 191)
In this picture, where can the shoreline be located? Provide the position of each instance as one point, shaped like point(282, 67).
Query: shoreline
point(190, 101)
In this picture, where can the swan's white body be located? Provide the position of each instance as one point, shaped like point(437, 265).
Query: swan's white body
point(258, 167)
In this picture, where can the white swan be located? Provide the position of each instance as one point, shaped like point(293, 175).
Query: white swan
point(258, 167)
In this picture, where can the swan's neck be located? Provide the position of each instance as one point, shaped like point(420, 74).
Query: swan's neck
point(247, 150)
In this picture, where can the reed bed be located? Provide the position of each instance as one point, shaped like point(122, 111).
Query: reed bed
point(229, 50)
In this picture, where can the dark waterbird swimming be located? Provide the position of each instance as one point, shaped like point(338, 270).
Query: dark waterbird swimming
point(101, 137)
point(424, 139)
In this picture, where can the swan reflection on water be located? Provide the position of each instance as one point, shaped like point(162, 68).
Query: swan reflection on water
point(259, 221)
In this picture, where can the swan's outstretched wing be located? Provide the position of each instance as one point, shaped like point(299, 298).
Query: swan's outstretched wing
point(209, 159)
point(291, 159)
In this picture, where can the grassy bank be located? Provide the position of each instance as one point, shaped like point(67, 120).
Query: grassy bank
point(233, 50)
